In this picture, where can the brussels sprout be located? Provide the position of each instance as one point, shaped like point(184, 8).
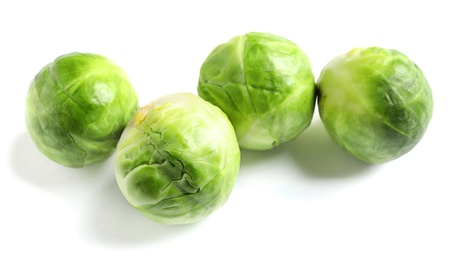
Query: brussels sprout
point(177, 159)
point(77, 107)
point(375, 103)
point(265, 84)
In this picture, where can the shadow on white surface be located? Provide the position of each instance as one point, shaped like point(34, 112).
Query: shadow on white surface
point(32, 167)
point(315, 154)
point(320, 157)
point(92, 192)
point(111, 220)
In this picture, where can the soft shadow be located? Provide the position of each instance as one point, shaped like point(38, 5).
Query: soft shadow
point(106, 215)
point(251, 157)
point(32, 167)
point(320, 157)
point(315, 153)
point(111, 220)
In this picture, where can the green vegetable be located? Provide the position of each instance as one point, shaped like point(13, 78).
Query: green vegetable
point(375, 103)
point(77, 107)
point(264, 83)
point(177, 159)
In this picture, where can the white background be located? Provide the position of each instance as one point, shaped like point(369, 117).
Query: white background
point(306, 199)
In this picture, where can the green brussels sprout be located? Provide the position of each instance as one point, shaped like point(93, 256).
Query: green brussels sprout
point(375, 103)
point(77, 108)
point(265, 85)
point(177, 159)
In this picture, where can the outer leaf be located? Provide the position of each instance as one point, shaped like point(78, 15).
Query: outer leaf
point(264, 83)
point(178, 159)
point(375, 103)
point(77, 107)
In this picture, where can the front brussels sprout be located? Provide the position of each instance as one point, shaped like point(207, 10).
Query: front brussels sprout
point(265, 84)
point(375, 103)
point(77, 107)
point(177, 159)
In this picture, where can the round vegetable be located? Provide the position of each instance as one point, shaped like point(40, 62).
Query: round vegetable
point(265, 84)
point(77, 107)
point(375, 103)
point(177, 159)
